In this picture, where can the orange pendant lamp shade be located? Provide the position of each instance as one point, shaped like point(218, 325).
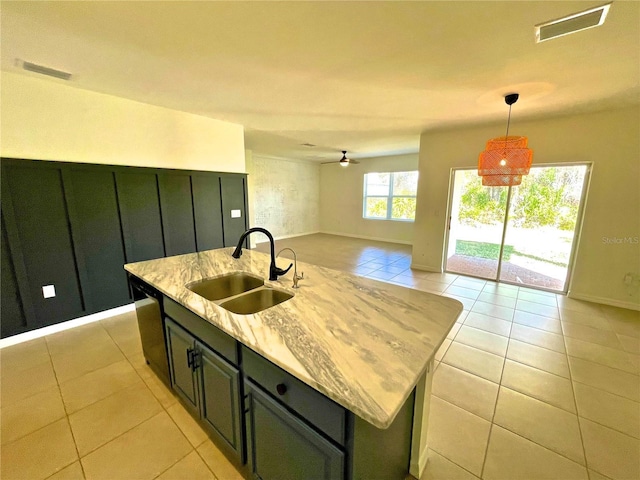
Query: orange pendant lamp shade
point(501, 180)
point(506, 159)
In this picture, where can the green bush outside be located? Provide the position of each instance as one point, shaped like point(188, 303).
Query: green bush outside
point(548, 197)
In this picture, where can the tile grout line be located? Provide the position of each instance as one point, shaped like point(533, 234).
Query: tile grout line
point(575, 402)
point(495, 407)
point(108, 396)
point(441, 453)
point(166, 410)
point(64, 406)
point(204, 461)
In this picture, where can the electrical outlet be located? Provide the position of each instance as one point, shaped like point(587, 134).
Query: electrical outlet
point(236, 213)
point(48, 291)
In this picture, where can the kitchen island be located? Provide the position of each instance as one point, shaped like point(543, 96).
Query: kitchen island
point(366, 345)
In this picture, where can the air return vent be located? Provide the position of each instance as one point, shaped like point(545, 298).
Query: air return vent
point(33, 67)
point(593, 17)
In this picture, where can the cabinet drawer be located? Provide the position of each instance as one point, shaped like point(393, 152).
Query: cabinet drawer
point(211, 335)
point(319, 410)
point(282, 447)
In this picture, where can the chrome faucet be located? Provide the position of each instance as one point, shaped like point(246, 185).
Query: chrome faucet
point(274, 271)
point(296, 277)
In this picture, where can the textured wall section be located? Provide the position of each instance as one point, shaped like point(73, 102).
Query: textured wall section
point(284, 195)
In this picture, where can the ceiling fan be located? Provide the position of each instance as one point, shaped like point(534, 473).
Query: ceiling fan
point(344, 161)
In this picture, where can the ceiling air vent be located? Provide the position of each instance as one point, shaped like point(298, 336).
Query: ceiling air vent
point(33, 67)
point(593, 17)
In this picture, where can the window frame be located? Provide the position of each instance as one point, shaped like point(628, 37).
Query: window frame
point(389, 197)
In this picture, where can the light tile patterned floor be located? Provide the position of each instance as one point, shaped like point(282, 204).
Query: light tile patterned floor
point(528, 385)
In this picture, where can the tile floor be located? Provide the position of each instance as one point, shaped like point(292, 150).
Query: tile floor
point(528, 385)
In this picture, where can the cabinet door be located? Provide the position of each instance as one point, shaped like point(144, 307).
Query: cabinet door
point(180, 345)
point(220, 397)
point(233, 209)
point(177, 213)
point(140, 210)
point(280, 446)
point(42, 224)
point(95, 222)
point(207, 211)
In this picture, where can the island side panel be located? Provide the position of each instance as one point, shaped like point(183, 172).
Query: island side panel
point(419, 446)
point(378, 453)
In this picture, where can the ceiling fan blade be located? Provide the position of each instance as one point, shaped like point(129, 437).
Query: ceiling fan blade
point(327, 163)
point(355, 162)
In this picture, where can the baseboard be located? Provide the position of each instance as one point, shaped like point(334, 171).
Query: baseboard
point(364, 237)
point(605, 301)
point(59, 327)
point(265, 240)
point(417, 467)
point(426, 268)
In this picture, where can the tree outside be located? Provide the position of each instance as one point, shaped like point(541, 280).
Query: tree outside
point(541, 220)
point(547, 197)
point(399, 188)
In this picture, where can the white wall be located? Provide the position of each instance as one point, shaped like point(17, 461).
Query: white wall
point(341, 197)
point(284, 195)
point(49, 120)
point(610, 140)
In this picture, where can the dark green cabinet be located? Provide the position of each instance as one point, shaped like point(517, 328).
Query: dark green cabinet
point(95, 221)
point(280, 446)
point(270, 424)
point(207, 211)
point(207, 384)
point(220, 399)
point(140, 215)
point(177, 213)
point(180, 346)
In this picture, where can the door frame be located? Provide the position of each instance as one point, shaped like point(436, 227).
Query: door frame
point(576, 237)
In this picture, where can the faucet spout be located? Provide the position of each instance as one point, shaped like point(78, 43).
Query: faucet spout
point(274, 271)
point(296, 277)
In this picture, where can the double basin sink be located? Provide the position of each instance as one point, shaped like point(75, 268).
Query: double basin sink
point(239, 292)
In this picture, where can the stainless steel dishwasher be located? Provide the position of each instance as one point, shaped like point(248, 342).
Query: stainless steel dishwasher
point(148, 303)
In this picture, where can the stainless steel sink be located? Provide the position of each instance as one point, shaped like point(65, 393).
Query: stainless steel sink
point(225, 286)
point(256, 301)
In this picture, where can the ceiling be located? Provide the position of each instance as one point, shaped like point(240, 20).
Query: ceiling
point(367, 77)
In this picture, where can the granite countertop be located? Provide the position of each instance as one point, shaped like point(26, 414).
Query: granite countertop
point(363, 343)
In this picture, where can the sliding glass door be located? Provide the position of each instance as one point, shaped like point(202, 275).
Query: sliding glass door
point(476, 225)
point(522, 235)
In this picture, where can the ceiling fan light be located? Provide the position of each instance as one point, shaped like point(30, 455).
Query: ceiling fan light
point(344, 162)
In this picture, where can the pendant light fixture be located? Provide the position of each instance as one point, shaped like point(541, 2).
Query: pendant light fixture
point(506, 159)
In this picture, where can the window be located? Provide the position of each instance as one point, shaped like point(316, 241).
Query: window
point(390, 196)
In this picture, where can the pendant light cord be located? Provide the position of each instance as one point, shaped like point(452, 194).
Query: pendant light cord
point(506, 137)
